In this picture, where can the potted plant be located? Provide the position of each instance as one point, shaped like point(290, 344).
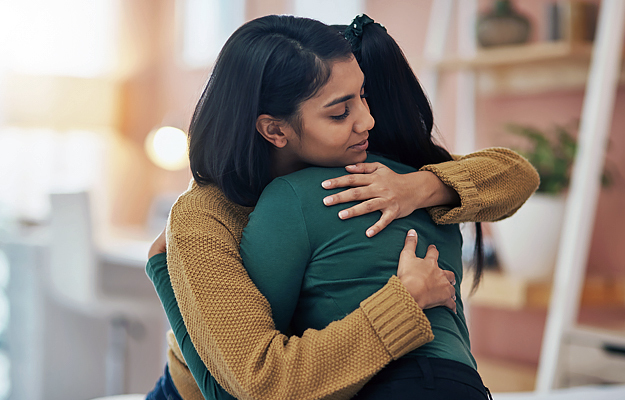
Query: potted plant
point(527, 243)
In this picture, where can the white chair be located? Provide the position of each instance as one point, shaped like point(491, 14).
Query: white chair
point(81, 279)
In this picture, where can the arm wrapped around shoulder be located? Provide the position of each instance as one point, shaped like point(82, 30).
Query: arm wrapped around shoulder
point(492, 184)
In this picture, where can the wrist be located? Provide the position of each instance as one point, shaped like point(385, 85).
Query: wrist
point(414, 287)
point(438, 193)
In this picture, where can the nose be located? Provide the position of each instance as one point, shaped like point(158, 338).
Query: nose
point(364, 121)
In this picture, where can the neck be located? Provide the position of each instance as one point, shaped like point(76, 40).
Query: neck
point(282, 163)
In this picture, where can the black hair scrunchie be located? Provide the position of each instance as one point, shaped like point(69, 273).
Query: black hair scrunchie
point(353, 33)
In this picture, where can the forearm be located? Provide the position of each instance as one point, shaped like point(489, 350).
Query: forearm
point(492, 184)
point(432, 192)
point(230, 324)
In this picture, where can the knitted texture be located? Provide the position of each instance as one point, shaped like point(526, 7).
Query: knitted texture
point(492, 183)
point(385, 314)
point(230, 322)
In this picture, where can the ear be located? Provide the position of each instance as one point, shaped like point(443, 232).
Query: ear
point(272, 129)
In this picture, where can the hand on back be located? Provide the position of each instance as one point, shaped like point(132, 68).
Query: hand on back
point(428, 284)
point(379, 188)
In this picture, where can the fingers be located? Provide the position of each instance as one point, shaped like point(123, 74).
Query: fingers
point(353, 194)
point(446, 292)
point(451, 277)
point(359, 176)
point(451, 304)
point(432, 253)
point(382, 223)
point(410, 244)
point(363, 168)
point(427, 283)
point(407, 258)
point(363, 208)
point(347, 181)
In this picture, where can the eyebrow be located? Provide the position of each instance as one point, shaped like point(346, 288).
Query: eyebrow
point(344, 98)
point(339, 100)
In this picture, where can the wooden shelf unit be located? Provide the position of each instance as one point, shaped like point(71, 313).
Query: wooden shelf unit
point(528, 68)
point(523, 54)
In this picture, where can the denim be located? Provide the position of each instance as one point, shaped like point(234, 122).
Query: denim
point(164, 388)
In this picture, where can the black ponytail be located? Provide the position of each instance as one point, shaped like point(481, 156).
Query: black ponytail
point(402, 111)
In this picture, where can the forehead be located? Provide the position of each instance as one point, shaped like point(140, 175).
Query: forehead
point(346, 78)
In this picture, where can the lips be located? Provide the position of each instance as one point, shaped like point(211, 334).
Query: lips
point(360, 146)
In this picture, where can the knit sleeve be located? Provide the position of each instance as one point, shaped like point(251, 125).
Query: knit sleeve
point(492, 184)
point(231, 326)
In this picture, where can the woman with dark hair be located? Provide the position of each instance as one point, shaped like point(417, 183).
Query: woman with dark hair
point(269, 74)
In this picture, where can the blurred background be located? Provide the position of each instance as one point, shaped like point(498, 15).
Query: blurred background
point(95, 100)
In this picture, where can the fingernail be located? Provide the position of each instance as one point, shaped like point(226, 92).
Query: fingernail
point(326, 184)
point(350, 166)
point(370, 232)
point(328, 200)
point(342, 214)
point(412, 232)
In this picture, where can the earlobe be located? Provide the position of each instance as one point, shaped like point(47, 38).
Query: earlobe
point(271, 129)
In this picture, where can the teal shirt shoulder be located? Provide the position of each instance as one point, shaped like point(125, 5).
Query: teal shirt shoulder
point(315, 268)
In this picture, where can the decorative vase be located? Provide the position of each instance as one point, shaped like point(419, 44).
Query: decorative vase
point(527, 243)
point(502, 26)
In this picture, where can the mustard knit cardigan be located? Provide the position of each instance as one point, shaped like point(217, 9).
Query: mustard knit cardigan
point(230, 322)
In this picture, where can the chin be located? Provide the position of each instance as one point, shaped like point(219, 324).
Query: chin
point(361, 158)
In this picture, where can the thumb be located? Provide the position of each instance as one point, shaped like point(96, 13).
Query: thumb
point(410, 244)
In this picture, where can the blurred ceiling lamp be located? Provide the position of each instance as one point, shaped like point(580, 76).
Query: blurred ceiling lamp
point(167, 147)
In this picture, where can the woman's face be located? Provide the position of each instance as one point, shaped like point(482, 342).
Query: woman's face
point(335, 123)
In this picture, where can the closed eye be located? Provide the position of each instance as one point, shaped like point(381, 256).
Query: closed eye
point(342, 116)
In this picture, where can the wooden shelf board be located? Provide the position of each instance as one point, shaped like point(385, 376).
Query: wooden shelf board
point(539, 52)
point(502, 291)
point(526, 69)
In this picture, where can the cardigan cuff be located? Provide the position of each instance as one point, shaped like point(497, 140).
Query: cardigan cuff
point(453, 174)
point(397, 319)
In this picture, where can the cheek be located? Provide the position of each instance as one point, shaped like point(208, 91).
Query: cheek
point(329, 137)
point(337, 140)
